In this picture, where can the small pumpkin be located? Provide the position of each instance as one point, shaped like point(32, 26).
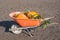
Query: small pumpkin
point(20, 16)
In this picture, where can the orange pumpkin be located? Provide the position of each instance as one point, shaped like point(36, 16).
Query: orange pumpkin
point(20, 16)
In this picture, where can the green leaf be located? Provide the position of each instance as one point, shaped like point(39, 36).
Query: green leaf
point(25, 13)
point(44, 26)
point(37, 17)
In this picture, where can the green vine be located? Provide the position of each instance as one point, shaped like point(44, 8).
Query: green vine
point(44, 24)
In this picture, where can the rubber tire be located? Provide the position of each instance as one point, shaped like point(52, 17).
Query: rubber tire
point(16, 31)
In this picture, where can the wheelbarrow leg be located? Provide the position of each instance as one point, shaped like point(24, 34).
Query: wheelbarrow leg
point(29, 32)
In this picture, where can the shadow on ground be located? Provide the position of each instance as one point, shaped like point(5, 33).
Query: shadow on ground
point(7, 24)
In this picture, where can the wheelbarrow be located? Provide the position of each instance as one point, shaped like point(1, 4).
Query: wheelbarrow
point(25, 24)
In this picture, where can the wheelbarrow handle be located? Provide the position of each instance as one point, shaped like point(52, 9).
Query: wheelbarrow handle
point(46, 18)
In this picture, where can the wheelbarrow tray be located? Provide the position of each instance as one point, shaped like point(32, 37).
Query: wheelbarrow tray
point(28, 22)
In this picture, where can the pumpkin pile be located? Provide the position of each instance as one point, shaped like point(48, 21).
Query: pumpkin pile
point(28, 15)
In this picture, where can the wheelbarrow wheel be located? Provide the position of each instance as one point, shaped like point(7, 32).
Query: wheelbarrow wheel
point(16, 31)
